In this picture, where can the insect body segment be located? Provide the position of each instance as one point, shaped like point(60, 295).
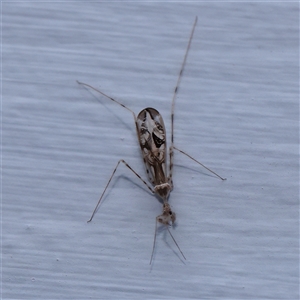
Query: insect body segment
point(168, 217)
point(152, 139)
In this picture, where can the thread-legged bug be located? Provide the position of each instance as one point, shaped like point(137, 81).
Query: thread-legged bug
point(151, 135)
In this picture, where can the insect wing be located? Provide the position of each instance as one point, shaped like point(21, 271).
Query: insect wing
point(152, 138)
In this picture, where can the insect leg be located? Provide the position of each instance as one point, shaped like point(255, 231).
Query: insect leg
point(110, 98)
point(199, 163)
point(112, 175)
point(173, 100)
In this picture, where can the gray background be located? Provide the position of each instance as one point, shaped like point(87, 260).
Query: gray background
point(237, 112)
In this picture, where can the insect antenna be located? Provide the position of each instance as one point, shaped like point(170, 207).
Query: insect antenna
point(179, 79)
point(154, 242)
point(176, 243)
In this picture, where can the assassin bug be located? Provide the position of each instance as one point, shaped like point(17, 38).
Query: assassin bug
point(151, 135)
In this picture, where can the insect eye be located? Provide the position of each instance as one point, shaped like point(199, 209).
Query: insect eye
point(170, 213)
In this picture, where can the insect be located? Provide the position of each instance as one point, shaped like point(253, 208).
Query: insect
point(151, 135)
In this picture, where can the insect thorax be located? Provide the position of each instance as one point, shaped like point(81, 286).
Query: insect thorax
point(163, 190)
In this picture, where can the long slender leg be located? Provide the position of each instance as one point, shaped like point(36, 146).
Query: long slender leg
point(170, 177)
point(198, 163)
point(112, 175)
point(114, 100)
point(110, 98)
point(173, 100)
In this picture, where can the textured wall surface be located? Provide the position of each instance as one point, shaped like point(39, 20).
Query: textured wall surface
point(237, 112)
